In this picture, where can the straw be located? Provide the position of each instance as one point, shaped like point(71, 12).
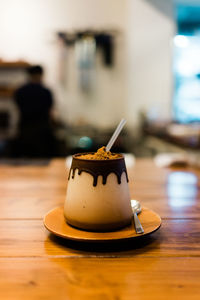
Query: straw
point(115, 134)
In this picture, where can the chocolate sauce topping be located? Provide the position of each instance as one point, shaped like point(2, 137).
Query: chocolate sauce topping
point(98, 168)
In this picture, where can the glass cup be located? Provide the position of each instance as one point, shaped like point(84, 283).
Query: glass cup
point(98, 196)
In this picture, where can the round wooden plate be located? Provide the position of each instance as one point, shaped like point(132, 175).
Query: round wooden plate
point(55, 222)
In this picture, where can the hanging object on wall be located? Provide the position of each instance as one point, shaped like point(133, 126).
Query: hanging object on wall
point(85, 50)
point(86, 43)
point(104, 42)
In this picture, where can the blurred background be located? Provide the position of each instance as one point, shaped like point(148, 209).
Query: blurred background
point(99, 61)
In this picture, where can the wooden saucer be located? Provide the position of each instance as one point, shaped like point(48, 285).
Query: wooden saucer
point(55, 222)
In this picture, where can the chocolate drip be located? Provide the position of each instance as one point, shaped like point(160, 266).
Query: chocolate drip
point(99, 168)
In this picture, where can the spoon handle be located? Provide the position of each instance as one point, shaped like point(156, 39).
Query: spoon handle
point(138, 226)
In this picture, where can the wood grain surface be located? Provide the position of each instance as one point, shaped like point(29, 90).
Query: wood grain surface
point(37, 265)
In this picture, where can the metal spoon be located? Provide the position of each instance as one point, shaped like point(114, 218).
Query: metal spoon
point(136, 210)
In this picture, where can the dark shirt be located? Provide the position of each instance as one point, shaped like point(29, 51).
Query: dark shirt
point(34, 102)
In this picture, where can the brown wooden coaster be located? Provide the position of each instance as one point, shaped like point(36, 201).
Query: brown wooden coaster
point(55, 222)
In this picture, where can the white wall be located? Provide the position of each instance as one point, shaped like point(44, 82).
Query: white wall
point(142, 72)
point(150, 34)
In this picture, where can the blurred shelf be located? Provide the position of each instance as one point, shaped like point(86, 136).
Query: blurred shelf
point(14, 64)
point(7, 93)
point(7, 89)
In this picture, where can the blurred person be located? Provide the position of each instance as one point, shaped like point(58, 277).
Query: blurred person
point(35, 103)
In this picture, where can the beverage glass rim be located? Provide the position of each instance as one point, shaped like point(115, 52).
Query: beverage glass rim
point(75, 156)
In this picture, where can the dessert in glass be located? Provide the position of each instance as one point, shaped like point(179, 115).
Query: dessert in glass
point(98, 196)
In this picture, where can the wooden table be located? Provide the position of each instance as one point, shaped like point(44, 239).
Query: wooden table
point(36, 265)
